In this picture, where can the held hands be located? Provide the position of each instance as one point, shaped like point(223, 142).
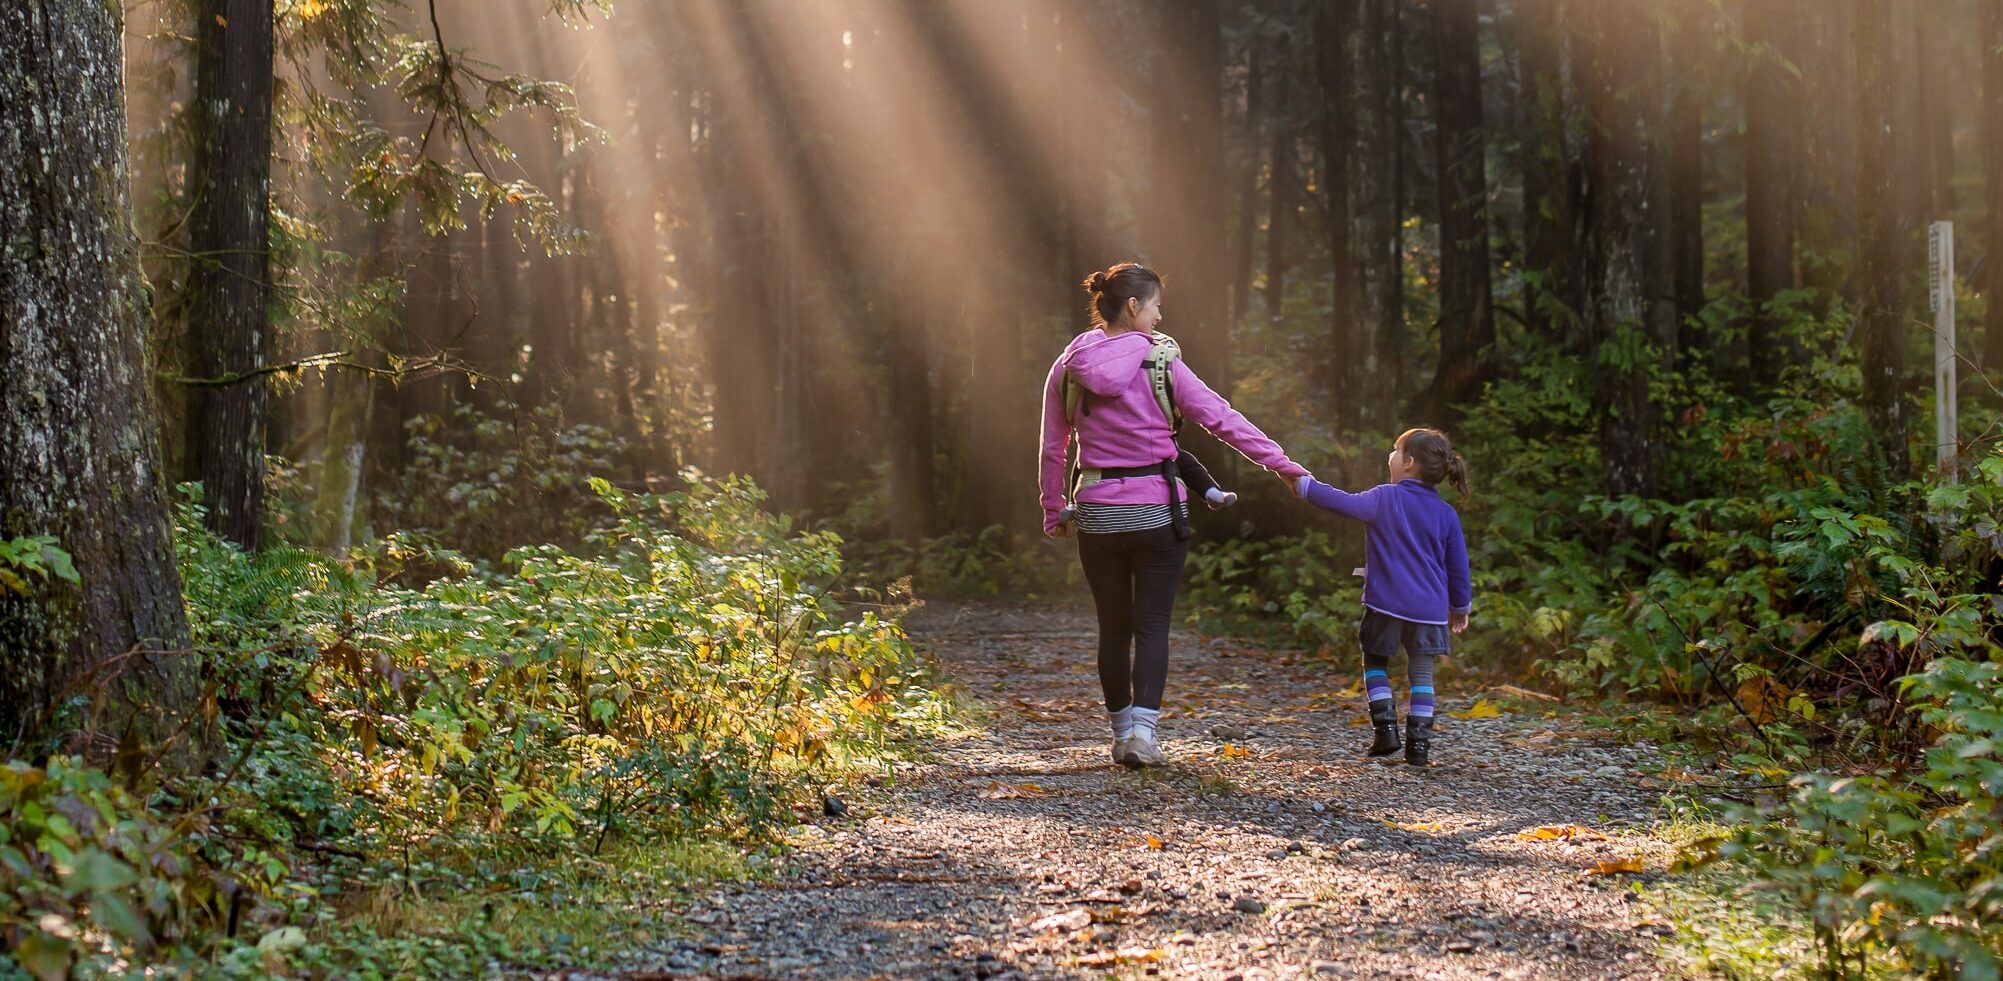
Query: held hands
point(1457, 622)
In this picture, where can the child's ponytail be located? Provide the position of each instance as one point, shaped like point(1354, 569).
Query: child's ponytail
point(1435, 455)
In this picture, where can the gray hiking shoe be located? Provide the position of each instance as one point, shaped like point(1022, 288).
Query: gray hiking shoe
point(1120, 748)
point(1143, 750)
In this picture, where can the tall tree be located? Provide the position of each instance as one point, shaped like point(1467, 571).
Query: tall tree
point(1467, 323)
point(1879, 238)
point(1334, 23)
point(1770, 98)
point(1282, 176)
point(1683, 162)
point(230, 188)
point(78, 451)
point(1550, 164)
point(1624, 313)
point(1359, 146)
point(1185, 217)
point(1991, 49)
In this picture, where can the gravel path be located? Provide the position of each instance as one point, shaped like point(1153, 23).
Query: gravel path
point(1268, 848)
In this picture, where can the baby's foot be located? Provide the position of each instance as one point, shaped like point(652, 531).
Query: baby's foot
point(1218, 497)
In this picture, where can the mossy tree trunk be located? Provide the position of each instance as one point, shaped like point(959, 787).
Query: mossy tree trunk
point(78, 452)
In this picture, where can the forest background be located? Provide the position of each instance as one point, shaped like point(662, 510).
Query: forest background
point(372, 431)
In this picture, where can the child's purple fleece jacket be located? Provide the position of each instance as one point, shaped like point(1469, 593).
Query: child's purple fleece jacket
point(1415, 560)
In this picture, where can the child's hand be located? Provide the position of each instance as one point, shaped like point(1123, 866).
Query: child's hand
point(1293, 482)
point(1457, 622)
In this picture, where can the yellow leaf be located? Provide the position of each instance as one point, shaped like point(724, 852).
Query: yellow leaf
point(1481, 709)
point(1010, 791)
point(1553, 832)
point(1153, 842)
point(1416, 825)
point(1233, 751)
point(309, 9)
point(1632, 863)
point(1762, 697)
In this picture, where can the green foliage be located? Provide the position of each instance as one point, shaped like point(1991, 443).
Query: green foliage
point(89, 877)
point(479, 482)
point(686, 674)
point(1898, 876)
point(994, 564)
point(33, 555)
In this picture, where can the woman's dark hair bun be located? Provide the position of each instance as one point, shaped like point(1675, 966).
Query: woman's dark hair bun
point(1112, 287)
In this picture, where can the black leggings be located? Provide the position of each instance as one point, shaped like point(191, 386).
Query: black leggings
point(1134, 575)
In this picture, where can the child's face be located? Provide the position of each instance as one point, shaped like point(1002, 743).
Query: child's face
point(1399, 465)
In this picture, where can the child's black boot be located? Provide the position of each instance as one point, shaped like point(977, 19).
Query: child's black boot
point(1384, 727)
point(1418, 740)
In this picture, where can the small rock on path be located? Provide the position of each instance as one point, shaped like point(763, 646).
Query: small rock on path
point(1268, 848)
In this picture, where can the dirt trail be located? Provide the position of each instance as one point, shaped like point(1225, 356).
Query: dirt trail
point(1269, 848)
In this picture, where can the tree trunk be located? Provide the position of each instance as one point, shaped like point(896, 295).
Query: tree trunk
point(1334, 22)
point(1770, 196)
point(1248, 189)
point(1279, 194)
point(1467, 324)
point(1620, 53)
point(230, 188)
point(1377, 317)
point(1553, 177)
point(1879, 242)
point(78, 448)
point(1991, 50)
point(1683, 157)
point(1186, 227)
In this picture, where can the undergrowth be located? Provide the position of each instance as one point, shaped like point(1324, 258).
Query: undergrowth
point(430, 768)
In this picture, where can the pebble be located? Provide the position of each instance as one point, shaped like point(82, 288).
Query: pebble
point(1100, 863)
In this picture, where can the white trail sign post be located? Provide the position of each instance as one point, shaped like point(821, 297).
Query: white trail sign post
point(1940, 291)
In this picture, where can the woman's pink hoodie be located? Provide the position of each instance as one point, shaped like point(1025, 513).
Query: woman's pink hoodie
point(1121, 425)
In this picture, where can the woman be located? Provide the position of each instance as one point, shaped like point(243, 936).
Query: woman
point(1130, 515)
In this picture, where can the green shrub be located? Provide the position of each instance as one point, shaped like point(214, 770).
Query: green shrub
point(1898, 874)
point(687, 673)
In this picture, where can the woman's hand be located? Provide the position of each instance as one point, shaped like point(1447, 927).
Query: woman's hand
point(1293, 482)
point(1063, 530)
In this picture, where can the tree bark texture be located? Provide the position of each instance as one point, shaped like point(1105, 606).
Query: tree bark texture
point(1879, 242)
point(1771, 90)
point(1467, 322)
point(230, 188)
point(1622, 315)
point(78, 447)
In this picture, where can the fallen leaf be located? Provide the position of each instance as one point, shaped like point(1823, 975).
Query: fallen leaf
point(1553, 832)
point(1481, 709)
point(1233, 751)
point(1009, 791)
point(1153, 842)
point(1125, 955)
point(1632, 863)
point(1525, 693)
point(1416, 825)
point(1762, 697)
point(1073, 919)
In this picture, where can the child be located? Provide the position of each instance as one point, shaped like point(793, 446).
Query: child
point(1415, 585)
point(1194, 474)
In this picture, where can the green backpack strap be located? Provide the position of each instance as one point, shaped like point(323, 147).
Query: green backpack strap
point(1161, 358)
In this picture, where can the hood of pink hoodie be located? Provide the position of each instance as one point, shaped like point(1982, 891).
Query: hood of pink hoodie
point(1106, 366)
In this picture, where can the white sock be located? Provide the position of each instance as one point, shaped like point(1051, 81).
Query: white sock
point(1214, 495)
point(1144, 721)
point(1123, 722)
